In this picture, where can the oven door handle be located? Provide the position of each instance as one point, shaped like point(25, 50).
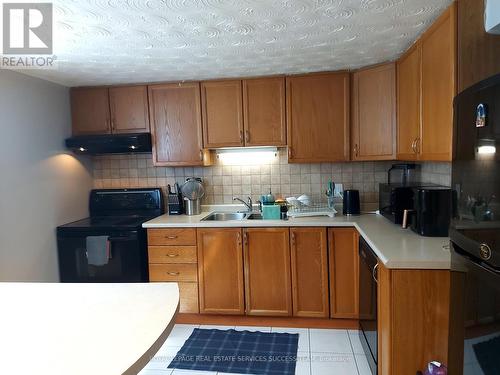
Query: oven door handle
point(122, 239)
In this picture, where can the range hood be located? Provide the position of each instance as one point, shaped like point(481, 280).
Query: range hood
point(110, 143)
point(492, 16)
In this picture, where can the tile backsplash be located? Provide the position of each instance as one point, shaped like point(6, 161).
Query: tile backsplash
point(222, 182)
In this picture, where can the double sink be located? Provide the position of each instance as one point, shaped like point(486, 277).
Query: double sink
point(232, 216)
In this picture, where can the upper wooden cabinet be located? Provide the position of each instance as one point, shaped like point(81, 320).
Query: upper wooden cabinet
point(344, 266)
point(90, 110)
point(439, 56)
point(264, 111)
point(244, 113)
point(267, 271)
point(309, 272)
point(426, 88)
point(222, 114)
point(408, 83)
point(318, 117)
point(129, 109)
point(373, 132)
point(175, 118)
point(220, 270)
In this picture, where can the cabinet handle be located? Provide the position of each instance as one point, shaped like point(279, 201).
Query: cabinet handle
point(173, 273)
point(417, 145)
point(245, 238)
point(290, 152)
point(374, 273)
point(247, 136)
point(241, 136)
point(239, 239)
point(170, 237)
point(112, 124)
point(293, 239)
point(356, 150)
point(413, 147)
point(172, 255)
point(201, 155)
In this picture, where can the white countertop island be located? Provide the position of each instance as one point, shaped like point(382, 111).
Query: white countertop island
point(396, 248)
point(83, 329)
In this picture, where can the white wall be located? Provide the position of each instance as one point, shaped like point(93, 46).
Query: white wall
point(41, 186)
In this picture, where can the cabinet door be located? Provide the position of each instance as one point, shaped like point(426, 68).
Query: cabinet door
point(220, 271)
point(175, 118)
point(438, 88)
point(222, 114)
point(264, 111)
point(309, 272)
point(129, 109)
point(90, 110)
point(344, 266)
point(408, 83)
point(374, 113)
point(268, 289)
point(318, 118)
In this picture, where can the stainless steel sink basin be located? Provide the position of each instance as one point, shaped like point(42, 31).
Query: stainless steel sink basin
point(225, 216)
point(254, 216)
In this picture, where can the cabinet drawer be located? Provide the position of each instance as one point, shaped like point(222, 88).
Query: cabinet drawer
point(172, 254)
point(188, 298)
point(173, 272)
point(177, 236)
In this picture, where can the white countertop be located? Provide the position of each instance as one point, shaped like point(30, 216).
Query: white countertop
point(88, 328)
point(396, 248)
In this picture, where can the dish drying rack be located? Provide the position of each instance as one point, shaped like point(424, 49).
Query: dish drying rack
point(313, 209)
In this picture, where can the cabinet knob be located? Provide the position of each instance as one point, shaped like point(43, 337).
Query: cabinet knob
point(356, 150)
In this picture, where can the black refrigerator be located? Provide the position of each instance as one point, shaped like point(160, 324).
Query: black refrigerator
point(475, 230)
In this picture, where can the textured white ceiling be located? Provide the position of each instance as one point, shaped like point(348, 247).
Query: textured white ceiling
point(113, 41)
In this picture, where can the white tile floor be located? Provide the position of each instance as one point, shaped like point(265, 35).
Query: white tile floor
point(320, 351)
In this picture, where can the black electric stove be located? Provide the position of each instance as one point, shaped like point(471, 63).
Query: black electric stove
point(110, 245)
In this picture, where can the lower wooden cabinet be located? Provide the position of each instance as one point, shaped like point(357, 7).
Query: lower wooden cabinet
point(414, 325)
point(172, 257)
point(308, 272)
point(344, 267)
point(309, 265)
point(220, 271)
point(267, 271)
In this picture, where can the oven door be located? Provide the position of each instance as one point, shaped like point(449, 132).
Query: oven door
point(368, 264)
point(126, 259)
point(481, 314)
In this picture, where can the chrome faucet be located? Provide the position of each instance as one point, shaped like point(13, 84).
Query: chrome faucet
point(248, 205)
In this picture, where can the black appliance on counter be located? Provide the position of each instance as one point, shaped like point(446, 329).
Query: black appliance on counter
point(395, 197)
point(110, 143)
point(110, 245)
point(351, 205)
point(368, 265)
point(475, 228)
point(432, 206)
